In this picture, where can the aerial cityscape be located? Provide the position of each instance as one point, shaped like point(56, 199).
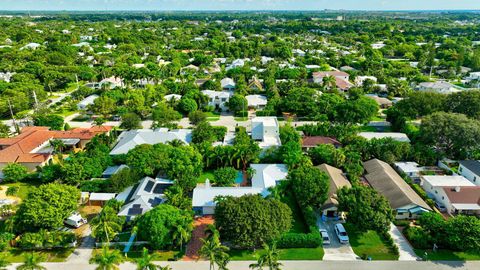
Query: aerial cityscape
point(239, 134)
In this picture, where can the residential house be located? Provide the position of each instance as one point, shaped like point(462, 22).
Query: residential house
point(337, 181)
point(129, 139)
point(457, 194)
point(255, 85)
point(31, 148)
point(257, 102)
point(265, 177)
point(237, 63)
point(341, 78)
point(218, 99)
point(441, 87)
point(227, 84)
point(30, 46)
point(99, 198)
point(142, 197)
point(6, 76)
point(111, 83)
point(172, 97)
point(397, 136)
point(410, 169)
point(359, 80)
point(402, 198)
point(309, 142)
point(265, 130)
point(111, 170)
point(383, 103)
point(83, 105)
point(470, 169)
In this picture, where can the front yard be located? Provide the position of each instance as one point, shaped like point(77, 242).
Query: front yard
point(285, 254)
point(56, 255)
point(448, 255)
point(369, 244)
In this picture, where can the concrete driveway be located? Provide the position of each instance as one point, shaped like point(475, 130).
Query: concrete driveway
point(405, 250)
point(335, 251)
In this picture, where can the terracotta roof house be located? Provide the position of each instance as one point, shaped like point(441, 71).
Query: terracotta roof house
point(313, 141)
point(462, 200)
point(341, 78)
point(31, 147)
point(402, 198)
point(337, 181)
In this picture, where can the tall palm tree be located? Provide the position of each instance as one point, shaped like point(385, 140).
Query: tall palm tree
point(3, 262)
point(214, 251)
point(269, 258)
point(329, 82)
point(31, 262)
point(145, 262)
point(107, 224)
point(107, 259)
point(180, 235)
point(57, 145)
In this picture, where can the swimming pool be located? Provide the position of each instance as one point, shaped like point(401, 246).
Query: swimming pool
point(239, 178)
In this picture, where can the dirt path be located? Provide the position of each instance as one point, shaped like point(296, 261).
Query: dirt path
point(200, 224)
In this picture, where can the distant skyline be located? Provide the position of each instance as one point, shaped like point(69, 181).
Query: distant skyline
point(159, 5)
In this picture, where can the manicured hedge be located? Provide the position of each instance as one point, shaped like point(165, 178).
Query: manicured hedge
point(46, 240)
point(300, 240)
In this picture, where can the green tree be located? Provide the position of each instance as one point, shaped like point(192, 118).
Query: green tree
point(31, 262)
point(246, 149)
point(357, 111)
point(163, 116)
point(175, 197)
point(158, 226)
point(103, 105)
point(237, 103)
point(57, 145)
point(268, 258)
point(14, 172)
point(310, 186)
point(107, 259)
point(197, 117)
point(214, 251)
point(123, 179)
point(187, 105)
point(453, 135)
point(4, 263)
point(146, 261)
point(131, 121)
point(106, 225)
point(366, 208)
point(4, 130)
point(251, 220)
point(225, 177)
point(47, 206)
point(55, 122)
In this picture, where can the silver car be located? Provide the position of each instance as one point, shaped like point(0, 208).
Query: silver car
point(325, 236)
point(341, 233)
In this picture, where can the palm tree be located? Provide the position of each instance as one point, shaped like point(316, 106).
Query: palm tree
point(107, 260)
point(180, 235)
point(329, 82)
point(32, 262)
point(57, 145)
point(214, 251)
point(3, 262)
point(166, 267)
point(106, 224)
point(268, 258)
point(145, 262)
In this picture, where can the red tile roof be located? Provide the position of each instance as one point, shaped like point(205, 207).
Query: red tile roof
point(19, 148)
point(312, 141)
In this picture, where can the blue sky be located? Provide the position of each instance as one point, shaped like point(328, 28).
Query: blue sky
point(237, 4)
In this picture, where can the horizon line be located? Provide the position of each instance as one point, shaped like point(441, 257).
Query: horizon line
point(233, 10)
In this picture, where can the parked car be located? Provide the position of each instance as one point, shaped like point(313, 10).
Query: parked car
point(75, 220)
point(440, 207)
point(341, 233)
point(325, 237)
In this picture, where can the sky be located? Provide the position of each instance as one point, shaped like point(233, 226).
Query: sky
point(106, 5)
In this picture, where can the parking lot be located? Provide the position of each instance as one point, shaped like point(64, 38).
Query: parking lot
point(335, 251)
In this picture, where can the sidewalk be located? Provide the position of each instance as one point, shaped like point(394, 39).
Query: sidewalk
point(404, 248)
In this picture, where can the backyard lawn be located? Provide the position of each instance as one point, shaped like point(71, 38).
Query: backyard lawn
point(368, 244)
point(298, 225)
point(23, 189)
point(285, 254)
point(204, 176)
point(448, 255)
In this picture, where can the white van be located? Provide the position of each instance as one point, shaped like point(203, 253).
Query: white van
point(75, 220)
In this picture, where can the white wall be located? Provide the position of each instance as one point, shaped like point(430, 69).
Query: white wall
point(469, 175)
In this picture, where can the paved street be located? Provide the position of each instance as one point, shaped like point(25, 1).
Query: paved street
point(294, 265)
point(83, 252)
point(335, 251)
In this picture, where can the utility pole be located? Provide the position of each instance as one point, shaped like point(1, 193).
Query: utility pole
point(13, 117)
point(35, 100)
point(76, 78)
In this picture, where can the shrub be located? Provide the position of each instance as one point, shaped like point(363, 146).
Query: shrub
point(225, 177)
point(5, 238)
point(418, 237)
point(95, 186)
point(241, 114)
point(46, 240)
point(300, 240)
point(12, 191)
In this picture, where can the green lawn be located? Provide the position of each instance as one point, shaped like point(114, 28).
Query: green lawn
point(285, 254)
point(213, 116)
point(204, 176)
point(23, 189)
point(57, 255)
point(240, 119)
point(368, 243)
point(298, 225)
point(448, 255)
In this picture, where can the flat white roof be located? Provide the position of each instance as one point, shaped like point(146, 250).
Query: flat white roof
point(466, 206)
point(266, 120)
point(102, 196)
point(401, 137)
point(408, 166)
point(205, 196)
point(447, 181)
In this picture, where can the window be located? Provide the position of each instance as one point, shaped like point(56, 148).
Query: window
point(474, 179)
point(460, 169)
point(443, 198)
point(436, 191)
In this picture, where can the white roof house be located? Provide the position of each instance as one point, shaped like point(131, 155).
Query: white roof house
point(218, 99)
point(440, 87)
point(236, 64)
point(359, 80)
point(266, 176)
point(112, 82)
point(446, 181)
point(172, 96)
point(129, 139)
point(265, 130)
point(82, 105)
point(227, 84)
point(31, 46)
point(142, 197)
point(397, 136)
point(101, 197)
point(256, 101)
